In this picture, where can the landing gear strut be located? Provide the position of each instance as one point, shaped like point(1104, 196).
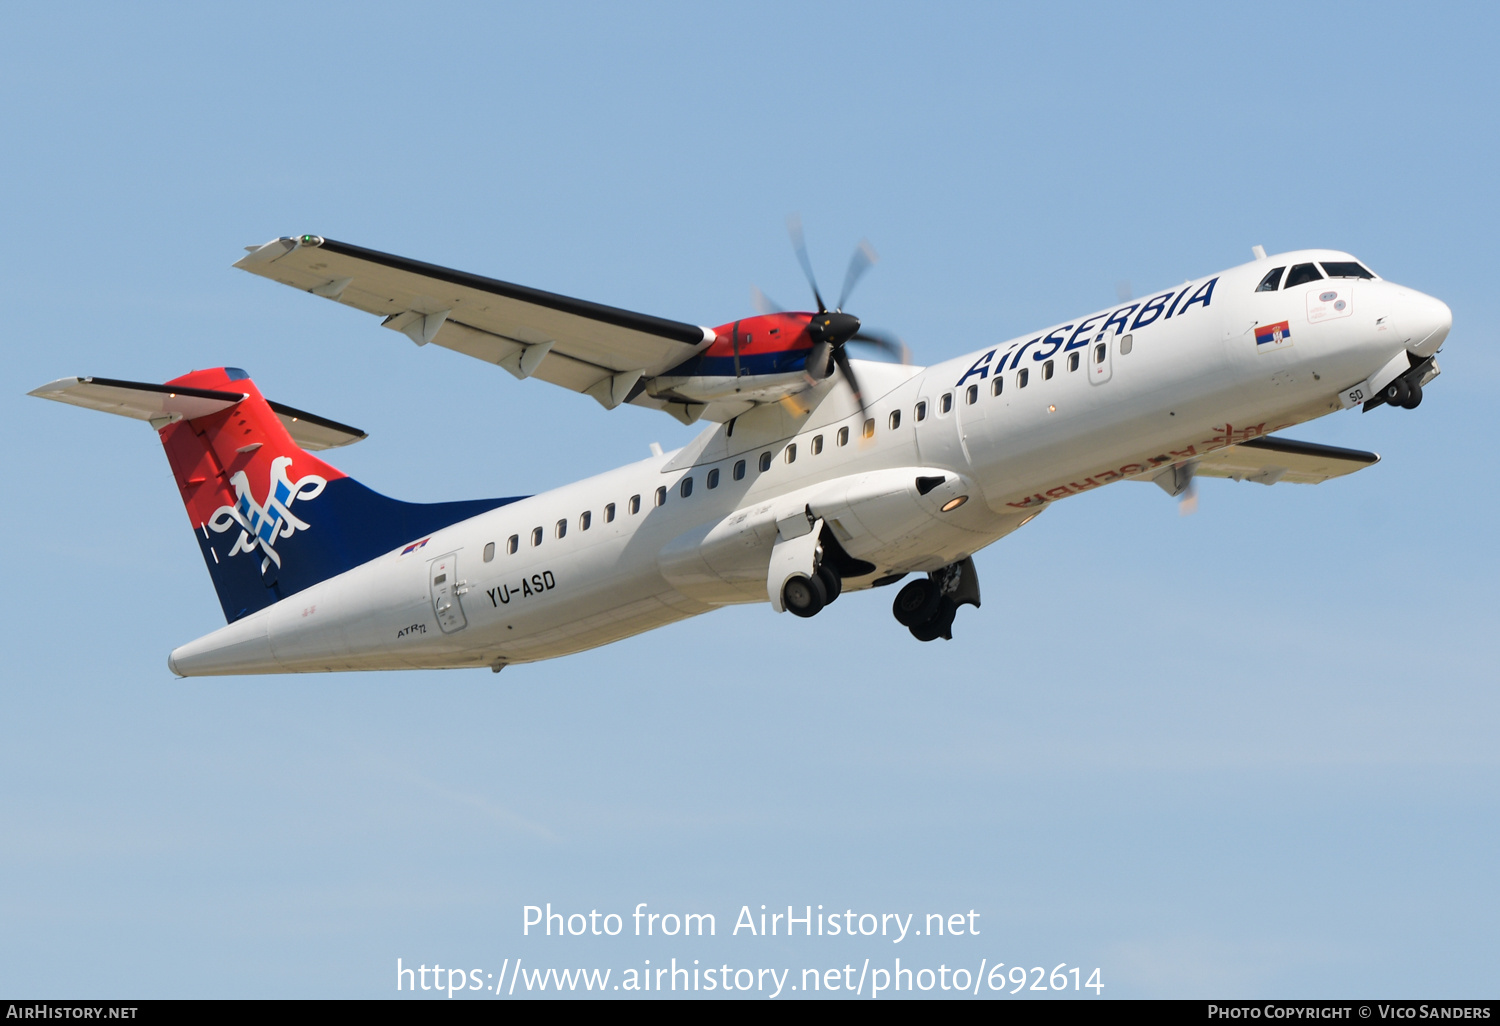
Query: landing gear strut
point(927, 606)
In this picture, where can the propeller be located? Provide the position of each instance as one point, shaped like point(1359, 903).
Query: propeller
point(832, 330)
point(1187, 504)
point(763, 303)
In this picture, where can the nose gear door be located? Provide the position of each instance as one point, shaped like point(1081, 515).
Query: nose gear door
point(446, 589)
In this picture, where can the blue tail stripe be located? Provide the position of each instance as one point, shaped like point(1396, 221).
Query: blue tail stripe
point(348, 524)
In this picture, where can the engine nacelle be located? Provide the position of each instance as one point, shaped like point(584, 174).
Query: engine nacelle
point(758, 359)
point(893, 519)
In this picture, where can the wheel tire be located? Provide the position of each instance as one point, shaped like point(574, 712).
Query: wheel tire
point(833, 584)
point(939, 626)
point(1397, 392)
point(916, 602)
point(1415, 398)
point(804, 596)
point(929, 631)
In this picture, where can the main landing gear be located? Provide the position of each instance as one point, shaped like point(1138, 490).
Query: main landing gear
point(806, 596)
point(927, 606)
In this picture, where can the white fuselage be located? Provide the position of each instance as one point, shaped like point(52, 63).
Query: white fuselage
point(1189, 383)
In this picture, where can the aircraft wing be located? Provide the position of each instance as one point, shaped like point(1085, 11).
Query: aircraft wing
point(1270, 459)
point(598, 350)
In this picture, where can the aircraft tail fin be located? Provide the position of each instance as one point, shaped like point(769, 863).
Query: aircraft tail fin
point(270, 517)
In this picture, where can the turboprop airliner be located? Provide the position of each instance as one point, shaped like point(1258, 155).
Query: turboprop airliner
point(815, 475)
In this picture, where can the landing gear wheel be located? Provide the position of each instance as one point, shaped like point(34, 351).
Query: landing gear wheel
point(833, 584)
point(1397, 393)
point(1415, 398)
point(916, 602)
point(940, 626)
point(804, 596)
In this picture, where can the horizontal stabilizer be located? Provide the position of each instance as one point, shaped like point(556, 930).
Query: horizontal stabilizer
point(1270, 459)
point(316, 433)
point(161, 405)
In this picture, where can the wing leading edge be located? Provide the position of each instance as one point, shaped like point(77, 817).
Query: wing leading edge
point(600, 351)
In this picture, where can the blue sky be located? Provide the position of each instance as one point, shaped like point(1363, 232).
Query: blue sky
point(1245, 753)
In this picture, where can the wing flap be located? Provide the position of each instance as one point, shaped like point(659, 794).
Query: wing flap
point(1270, 459)
point(481, 317)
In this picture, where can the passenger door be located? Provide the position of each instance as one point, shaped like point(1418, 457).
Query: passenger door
point(446, 588)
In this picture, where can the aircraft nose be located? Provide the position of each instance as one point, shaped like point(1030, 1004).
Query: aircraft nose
point(1428, 320)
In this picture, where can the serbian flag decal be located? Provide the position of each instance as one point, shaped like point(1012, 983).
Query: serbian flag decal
point(1273, 334)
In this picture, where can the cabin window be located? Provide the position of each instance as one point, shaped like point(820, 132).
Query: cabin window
point(635, 504)
point(1271, 280)
point(739, 470)
point(1047, 369)
point(843, 436)
point(609, 513)
point(945, 403)
point(1072, 361)
point(998, 385)
point(869, 430)
point(586, 520)
point(791, 453)
point(1099, 352)
point(713, 478)
point(1127, 342)
point(895, 419)
point(562, 528)
point(1345, 269)
point(1023, 376)
point(512, 544)
point(817, 444)
point(686, 487)
point(971, 395)
point(921, 411)
point(489, 551)
point(661, 495)
point(1301, 274)
point(536, 536)
point(765, 462)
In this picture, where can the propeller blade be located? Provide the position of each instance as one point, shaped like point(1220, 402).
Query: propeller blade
point(891, 345)
point(841, 358)
point(794, 229)
point(1187, 505)
point(763, 303)
point(1184, 485)
point(863, 258)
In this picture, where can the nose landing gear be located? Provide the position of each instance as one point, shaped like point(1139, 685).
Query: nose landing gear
point(927, 606)
point(1406, 391)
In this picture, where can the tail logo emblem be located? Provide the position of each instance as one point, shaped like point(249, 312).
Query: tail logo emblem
point(261, 526)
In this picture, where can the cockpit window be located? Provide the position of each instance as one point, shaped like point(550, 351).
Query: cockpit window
point(1301, 274)
point(1345, 269)
point(1271, 280)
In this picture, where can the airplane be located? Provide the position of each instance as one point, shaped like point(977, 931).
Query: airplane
point(815, 475)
